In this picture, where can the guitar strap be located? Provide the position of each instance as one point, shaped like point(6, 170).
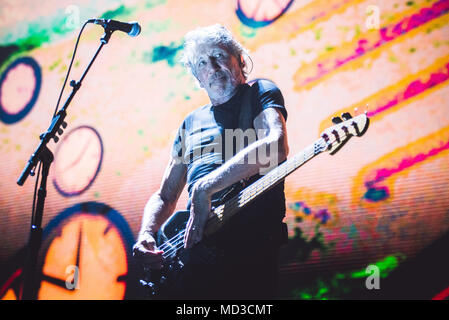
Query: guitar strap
point(246, 121)
point(246, 112)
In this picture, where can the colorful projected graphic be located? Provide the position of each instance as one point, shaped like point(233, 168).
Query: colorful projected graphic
point(102, 246)
point(77, 160)
point(380, 201)
point(260, 13)
point(20, 84)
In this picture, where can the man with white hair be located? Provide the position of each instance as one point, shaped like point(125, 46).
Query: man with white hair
point(205, 157)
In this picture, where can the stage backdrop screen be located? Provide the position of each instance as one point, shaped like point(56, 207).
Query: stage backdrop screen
point(374, 205)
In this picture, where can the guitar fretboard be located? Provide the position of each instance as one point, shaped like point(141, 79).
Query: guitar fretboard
point(272, 178)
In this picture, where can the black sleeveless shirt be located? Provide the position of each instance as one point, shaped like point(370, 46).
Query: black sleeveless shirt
point(205, 140)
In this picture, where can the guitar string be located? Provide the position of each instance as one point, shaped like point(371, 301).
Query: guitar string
point(174, 250)
point(169, 241)
point(234, 202)
point(176, 246)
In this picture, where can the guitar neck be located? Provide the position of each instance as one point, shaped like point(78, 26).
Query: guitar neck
point(268, 181)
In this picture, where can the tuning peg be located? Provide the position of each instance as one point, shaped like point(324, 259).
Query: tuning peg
point(366, 108)
point(336, 120)
point(346, 115)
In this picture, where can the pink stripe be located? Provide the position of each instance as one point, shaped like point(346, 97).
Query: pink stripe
point(384, 173)
point(387, 34)
point(414, 88)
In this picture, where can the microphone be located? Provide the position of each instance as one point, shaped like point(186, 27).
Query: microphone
point(131, 28)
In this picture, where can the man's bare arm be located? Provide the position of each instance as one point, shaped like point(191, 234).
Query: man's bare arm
point(271, 129)
point(272, 147)
point(163, 202)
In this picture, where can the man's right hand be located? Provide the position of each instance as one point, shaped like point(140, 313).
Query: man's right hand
point(146, 252)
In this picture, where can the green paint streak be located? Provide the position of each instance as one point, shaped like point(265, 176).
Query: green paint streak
point(170, 96)
point(385, 266)
point(158, 26)
point(247, 32)
point(341, 284)
point(121, 11)
point(154, 3)
point(28, 36)
point(318, 33)
point(160, 53)
point(357, 32)
point(55, 64)
point(353, 232)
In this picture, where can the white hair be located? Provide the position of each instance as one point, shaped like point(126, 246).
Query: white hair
point(217, 35)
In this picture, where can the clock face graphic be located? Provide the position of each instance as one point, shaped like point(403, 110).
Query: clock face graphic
point(77, 161)
point(10, 289)
point(261, 13)
point(20, 84)
point(85, 254)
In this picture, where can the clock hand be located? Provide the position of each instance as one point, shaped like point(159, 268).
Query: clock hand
point(58, 282)
point(78, 249)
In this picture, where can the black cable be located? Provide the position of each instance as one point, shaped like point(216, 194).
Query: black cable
point(35, 192)
point(70, 67)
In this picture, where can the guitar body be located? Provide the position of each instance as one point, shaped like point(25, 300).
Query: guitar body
point(168, 282)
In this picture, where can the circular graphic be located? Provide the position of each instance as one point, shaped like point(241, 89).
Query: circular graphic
point(91, 238)
point(20, 84)
point(85, 254)
point(77, 161)
point(261, 13)
point(10, 290)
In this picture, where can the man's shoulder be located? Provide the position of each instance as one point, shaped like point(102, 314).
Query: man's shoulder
point(263, 84)
point(197, 112)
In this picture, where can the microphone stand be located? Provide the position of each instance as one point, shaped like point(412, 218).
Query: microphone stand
point(45, 156)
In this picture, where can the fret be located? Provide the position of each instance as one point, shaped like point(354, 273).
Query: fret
point(270, 179)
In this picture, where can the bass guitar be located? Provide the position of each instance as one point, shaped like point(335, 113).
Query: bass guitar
point(170, 237)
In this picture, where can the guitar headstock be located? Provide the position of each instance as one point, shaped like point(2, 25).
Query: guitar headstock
point(343, 129)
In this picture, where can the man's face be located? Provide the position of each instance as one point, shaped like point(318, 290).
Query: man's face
point(218, 71)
